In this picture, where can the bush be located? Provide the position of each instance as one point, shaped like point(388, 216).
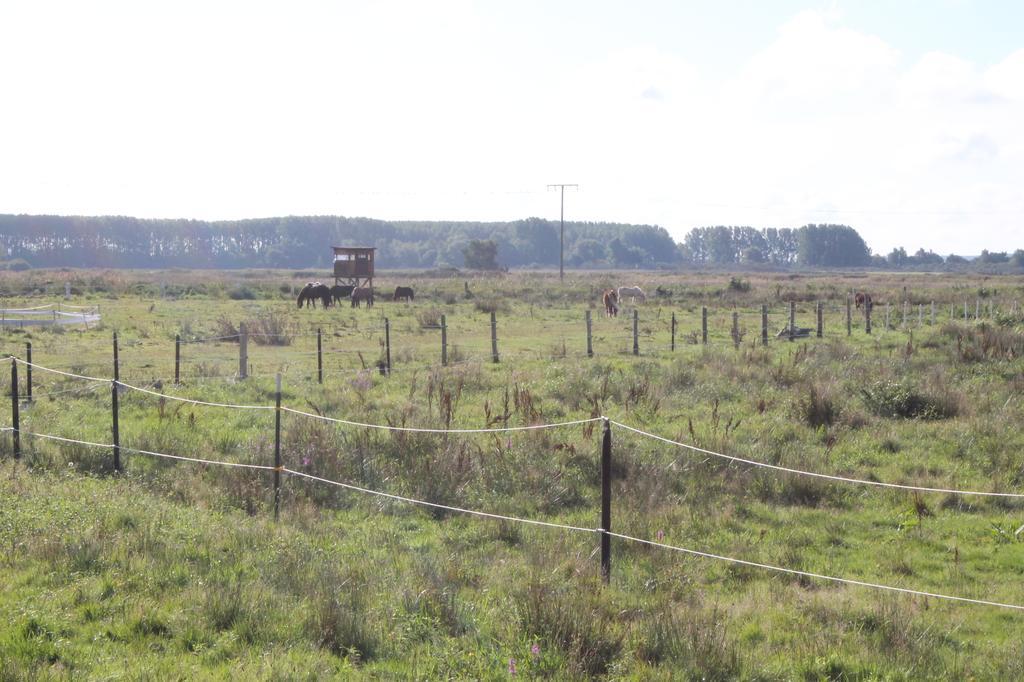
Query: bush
point(817, 408)
point(896, 400)
point(739, 284)
point(242, 293)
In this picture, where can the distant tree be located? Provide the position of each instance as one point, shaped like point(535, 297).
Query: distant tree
point(832, 245)
point(481, 254)
point(897, 257)
point(993, 257)
point(1017, 259)
point(588, 251)
point(625, 255)
point(753, 255)
point(953, 259)
point(923, 257)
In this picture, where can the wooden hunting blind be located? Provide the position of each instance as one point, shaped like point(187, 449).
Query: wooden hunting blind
point(354, 265)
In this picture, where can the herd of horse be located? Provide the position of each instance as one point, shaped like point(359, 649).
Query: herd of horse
point(612, 298)
point(328, 296)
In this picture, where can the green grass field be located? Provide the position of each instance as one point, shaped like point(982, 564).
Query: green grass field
point(173, 569)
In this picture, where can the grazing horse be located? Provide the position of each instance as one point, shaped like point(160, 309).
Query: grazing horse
point(633, 293)
point(313, 291)
point(339, 292)
point(403, 293)
point(360, 294)
point(611, 303)
point(862, 299)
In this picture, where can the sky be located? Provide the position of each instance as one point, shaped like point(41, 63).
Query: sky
point(901, 118)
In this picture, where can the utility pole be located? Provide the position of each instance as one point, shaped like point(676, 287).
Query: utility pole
point(561, 241)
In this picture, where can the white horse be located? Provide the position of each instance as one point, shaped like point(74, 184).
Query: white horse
point(633, 292)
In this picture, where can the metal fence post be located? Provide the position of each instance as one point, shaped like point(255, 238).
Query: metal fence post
point(114, 409)
point(387, 343)
point(15, 415)
point(849, 316)
point(606, 502)
point(277, 450)
point(319, 356)
point(764, 324)
point(792, 320)
point(177, 359)
point(704, 325)
point(590, 342)
point(243, 350)
point(494, 337)
point(672, 344)
point(636, 338)
point(444, 341)
point(28, 371)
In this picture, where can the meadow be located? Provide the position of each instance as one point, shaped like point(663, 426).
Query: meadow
point(177, 569)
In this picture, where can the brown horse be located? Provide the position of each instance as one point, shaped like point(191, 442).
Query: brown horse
point(340, 291)
point(862, 299)
point(611, 303)
point(361, 294)
point(403, 294)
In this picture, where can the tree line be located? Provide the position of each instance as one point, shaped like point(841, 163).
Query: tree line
point(305, 241)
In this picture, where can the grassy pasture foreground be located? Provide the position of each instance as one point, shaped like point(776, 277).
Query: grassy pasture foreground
point(174, 569)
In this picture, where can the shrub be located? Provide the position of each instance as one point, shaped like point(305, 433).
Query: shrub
point(241, 293)
point(817, 408)
point(896, 400)
point(739, 284)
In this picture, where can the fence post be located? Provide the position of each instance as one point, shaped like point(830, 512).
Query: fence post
point(319, 356)
point(28, 371)
point(243, 351)
point(867, 316)
point(590, 342)
point(764, 324)
point(115, 426)
point(933, 313)
point(636, 325)
point(821, 320)
point(965, 311)
point(672, 346)
point(177, 359)
point(792, 319)
point(920, 314)
point(977, 308)
point(736, 329)
point(606, 502)
point(15, 416)
point(444, 341)
point(906, 313)
point(849, 317)
point(387, 343)
point(704, 325)
point(886, 317)
point(277, 449)
point(494, 337)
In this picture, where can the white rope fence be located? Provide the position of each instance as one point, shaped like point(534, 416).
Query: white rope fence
point(800, 472)
point(546, 524)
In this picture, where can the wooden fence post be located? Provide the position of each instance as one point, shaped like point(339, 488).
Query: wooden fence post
point(636, 325)
point(906, 314)
point(319, 356)
point(494, 337)
point(821, 320)
point(792, 320)
point(115, 426)
point(243, 351)
point(736, 329)
point(444, 341)
point(849, 317)
point(387, 344)
point(704, 325)
point(977, 308)
point(965, 311)
point(933, 313)
point(764, 324)
point(867, 316)
point(15, 416)
point(28, 371)
point(590, 342)
point(277, 450)
point(920, 314)
point(606, 502)
point(672, 345)
point(177, 359)
point(887, 317)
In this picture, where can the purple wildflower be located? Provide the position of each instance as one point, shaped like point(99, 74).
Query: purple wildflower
point(660, 535)
point(306, 461)
point(535, 650)
point(511, 666)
